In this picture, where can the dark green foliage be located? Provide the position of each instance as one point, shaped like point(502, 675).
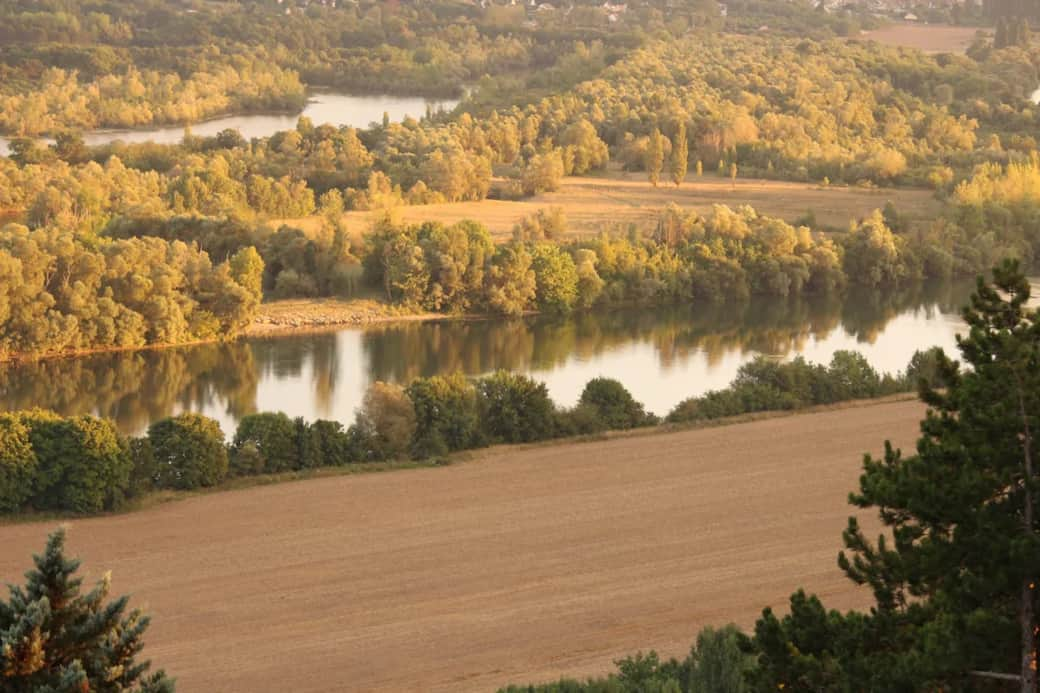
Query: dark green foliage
point(333, 443)
point(614, 405)
point(719, 662)
point(55, 639)
point(144, 474)
point(17, 463)
point(188, 452)
point(515, 409)
point(273, 436)
point(446, 415)
point(768, 385)
point(83, 465)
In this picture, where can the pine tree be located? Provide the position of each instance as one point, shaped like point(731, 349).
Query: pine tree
point(655, 157)
point(964, 563)
point(680, 155)
point(53, 638)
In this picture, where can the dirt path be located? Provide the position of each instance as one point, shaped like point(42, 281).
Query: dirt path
point(522, 566)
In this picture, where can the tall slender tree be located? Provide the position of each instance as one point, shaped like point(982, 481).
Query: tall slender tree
point(655, 157)
point(680, 155)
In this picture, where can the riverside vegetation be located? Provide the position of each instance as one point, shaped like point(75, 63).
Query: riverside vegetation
point(954, 573)
point(83, 242)
point(953, 576)
point(81, 464)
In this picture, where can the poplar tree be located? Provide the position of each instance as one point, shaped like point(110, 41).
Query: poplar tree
point(655, 157)
point(53, 638)
point(680, 155)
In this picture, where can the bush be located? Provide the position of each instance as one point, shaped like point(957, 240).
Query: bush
point(581, 420)
point(273, 436)
point(614, 405)
point(189, 451)
point(515, 408)
point(446, 416)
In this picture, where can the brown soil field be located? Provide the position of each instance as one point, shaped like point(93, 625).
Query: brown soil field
point(594, 204)
point(522, 564)
point(930, 38)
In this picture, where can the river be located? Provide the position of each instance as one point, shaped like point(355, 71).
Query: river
point(322, 107)
point(662, 355)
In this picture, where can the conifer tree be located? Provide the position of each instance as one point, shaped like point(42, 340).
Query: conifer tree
point(963, 565)
point(55, 639)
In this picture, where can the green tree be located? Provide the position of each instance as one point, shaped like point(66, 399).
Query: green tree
point(83, 464)
point(54, 638)
point(556, 277)
point(17, 463)
point(446, 415)
point(718, 663)
point(511, 283)
point(963, 510)
point(189, 451)
point(514, 408)
point(613, 404)
point(270, 434)
point(247, 268)
point(386, 422)
point(680, 155)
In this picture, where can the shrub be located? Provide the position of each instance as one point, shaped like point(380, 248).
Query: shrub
point(273, 435)
point(581, 420)
point(446, 416)
point(613, 404)
point(515, 408)
point(189, 451)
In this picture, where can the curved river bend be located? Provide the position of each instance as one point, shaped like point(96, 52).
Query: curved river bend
point(322, 107)
point(662, 355)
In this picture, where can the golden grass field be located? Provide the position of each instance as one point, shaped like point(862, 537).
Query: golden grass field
point(519, 565)
point(930, 38)
point(594, 204)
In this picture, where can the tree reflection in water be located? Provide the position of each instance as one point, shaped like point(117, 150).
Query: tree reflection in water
point(323, 375)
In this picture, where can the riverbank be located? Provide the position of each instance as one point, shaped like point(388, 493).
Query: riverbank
point(164, 496)
point(520, 564)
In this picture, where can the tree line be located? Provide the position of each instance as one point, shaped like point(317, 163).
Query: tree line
point(81, 464)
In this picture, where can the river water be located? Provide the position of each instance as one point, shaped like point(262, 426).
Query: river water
point(322, 107)
point(662, 355)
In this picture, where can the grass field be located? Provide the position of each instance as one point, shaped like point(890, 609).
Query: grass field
point(594, 204)
point(930, 38)
point(522, 564)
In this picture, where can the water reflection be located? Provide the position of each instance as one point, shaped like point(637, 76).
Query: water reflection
point(662, 355)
